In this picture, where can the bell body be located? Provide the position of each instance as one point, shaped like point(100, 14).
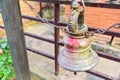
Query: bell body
point(77, 54)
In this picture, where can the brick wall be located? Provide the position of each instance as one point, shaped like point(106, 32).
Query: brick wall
point(25, 10)
point(94, 17)
point(99, 17)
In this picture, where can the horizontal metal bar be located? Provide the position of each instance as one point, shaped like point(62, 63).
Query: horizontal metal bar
point(101, 75)
point(96, 73)
point(90, 71)
point(41, 53)
point(2, 27)
point(107, 56)
point(101, 54)
point(61, 43)
point(111, 33)
point(38, 37)
point(104, 76)
point(35, 19)
point(36, 51)
point(90, 4)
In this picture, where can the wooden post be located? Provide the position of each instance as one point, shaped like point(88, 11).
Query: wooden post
point(13, 23)
point(0, 8)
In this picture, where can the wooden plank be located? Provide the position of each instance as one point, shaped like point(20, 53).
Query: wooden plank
point(13, 23)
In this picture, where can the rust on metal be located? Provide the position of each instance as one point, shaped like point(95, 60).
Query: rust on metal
point(112, 33)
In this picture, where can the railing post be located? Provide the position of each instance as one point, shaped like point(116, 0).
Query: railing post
point(13, 23)
point(40, 8)
point(57, 32)
point(111, 40)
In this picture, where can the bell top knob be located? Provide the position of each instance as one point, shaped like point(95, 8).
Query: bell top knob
point(76, 26)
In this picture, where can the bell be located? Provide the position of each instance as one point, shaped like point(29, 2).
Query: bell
point(47, 11)
point(77, 54)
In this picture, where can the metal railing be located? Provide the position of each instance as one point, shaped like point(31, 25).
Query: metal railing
point(90, 4)
point(57, 43)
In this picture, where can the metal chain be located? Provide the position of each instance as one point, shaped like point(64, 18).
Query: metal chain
point(101, 31)
point(39, 17)
point(63, 28)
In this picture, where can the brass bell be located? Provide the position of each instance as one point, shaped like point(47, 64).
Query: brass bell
point(77, 54)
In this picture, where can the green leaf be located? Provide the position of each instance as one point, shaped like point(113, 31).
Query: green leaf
point(2, 40)
point(3, 58)
point(1, 63)
point(4, 45)
point(6, 71)
point(1, 74)
point(9, 59)
point(4, 77)
point(6, 51)
point(6, 66)
point(8, 46)
point(2, 68)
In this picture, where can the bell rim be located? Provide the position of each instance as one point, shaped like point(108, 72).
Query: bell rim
point(82, 70)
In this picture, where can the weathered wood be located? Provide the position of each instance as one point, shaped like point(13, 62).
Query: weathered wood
point(13, 23)
point(0, 8)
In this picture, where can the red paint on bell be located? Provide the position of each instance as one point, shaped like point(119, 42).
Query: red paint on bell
point(73, 42)
point(70, 50)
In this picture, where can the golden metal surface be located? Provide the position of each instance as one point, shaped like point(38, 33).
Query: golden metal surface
point(77, 54)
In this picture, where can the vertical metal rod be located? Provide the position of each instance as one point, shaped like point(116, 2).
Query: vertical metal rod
point(40, 11)
point(111, 40)
point(75, 73)
point(57, 32)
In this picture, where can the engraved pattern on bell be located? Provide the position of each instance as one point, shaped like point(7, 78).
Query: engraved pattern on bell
point(77, 54)
point(76, 44)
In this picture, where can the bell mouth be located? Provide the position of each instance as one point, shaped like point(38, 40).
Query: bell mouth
point(77, 65)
